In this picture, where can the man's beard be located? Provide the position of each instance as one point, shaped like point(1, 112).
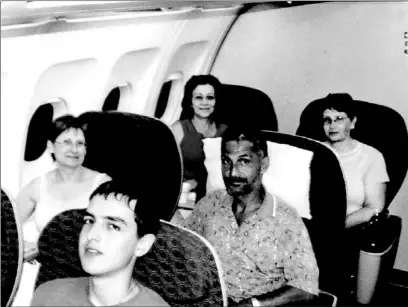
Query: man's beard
point(237, 186)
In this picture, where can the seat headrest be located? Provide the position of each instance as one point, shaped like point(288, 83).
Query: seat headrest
point(248, 106)
point(138, 150)
point(378, 126)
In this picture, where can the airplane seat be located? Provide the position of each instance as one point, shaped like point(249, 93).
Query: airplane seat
point(384, 129)
point(137, 149)
point(181, 266)
point(11, 250)
point(245, 105)
point(327, 198)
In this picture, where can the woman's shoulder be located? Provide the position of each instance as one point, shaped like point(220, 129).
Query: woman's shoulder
point(92, 174)
point(32, 188)
point(36, 182)
point(368, 150)
point(178, 131)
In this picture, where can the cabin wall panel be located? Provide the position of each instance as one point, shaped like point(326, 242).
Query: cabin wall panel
point(120, 51)
point(190, 53)
point(299, 54)
point(12, 133)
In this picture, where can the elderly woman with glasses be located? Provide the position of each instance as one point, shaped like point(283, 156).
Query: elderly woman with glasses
point(363, 166)
point(68, 186)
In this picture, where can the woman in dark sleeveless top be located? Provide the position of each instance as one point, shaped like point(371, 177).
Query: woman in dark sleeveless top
point(198, 120)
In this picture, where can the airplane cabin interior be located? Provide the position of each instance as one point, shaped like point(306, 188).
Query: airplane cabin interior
point(121, 67)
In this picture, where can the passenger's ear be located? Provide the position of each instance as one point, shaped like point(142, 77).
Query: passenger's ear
point(144, 244)
point(50, 146)
point(353, 122)
point(264, 164)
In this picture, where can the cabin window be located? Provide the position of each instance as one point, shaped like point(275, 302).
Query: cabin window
point(37, 133)
point(163, 99)
point(116, 97)
point(112, 100)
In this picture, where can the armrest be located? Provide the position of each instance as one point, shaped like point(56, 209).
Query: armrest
point(326, 299)
point(377, 238)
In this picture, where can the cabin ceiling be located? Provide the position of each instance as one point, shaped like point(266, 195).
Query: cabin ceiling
point(26, 12)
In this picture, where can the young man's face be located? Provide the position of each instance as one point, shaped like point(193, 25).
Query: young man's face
point(242, 168)
point(108, 241)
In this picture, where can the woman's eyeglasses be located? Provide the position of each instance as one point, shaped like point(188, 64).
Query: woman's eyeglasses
point(69, 143)
point(336, 120)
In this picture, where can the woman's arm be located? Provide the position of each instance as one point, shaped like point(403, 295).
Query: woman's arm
point(27, 200)
point(178, 132)
point(26, 203)
point(374, 202)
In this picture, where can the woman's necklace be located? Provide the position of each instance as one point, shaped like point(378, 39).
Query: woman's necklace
point(133, 290)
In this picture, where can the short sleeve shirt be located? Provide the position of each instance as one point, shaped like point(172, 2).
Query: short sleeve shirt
point(270, 249)
point(362, 167)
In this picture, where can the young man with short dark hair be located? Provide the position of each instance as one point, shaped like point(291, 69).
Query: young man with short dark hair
point(118, 228)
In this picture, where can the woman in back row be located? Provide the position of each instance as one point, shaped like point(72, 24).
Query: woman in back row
point(363, 166)
point(68, 186)
point(199, 119)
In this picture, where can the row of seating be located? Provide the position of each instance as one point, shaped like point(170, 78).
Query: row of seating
point(142, 150)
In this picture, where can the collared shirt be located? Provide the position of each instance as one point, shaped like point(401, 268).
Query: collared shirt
point(268, 250)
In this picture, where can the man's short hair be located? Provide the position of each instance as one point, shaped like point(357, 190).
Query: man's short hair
point(237, 133)
point(146, 219)
point(341, 102)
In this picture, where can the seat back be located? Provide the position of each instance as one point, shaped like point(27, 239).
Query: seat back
point(181, 266)
point(11, 250)
point(136, 149)
point(327, 198)
point(378, 126)
point(249, 106)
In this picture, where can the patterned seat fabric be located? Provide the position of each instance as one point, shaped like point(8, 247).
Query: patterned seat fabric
point(11, 259)
point(180, 267)
point(58, 247)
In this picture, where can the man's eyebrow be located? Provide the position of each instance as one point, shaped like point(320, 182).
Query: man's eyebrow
point(86, 213)
point(244, 155)
point(115, 219)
